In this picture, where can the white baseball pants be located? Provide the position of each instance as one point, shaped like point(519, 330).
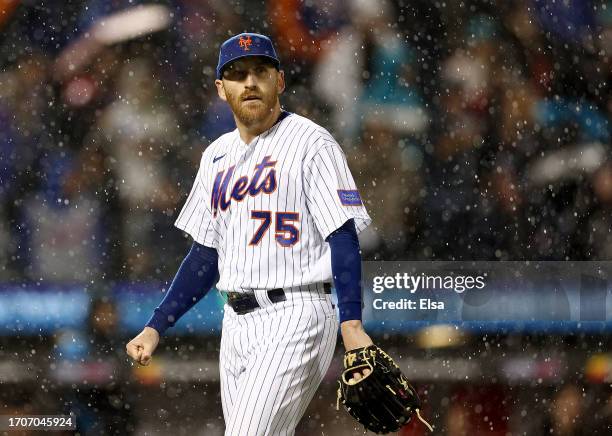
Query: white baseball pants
point(272, 361)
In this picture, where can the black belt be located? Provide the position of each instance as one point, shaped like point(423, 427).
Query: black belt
point(245, 302)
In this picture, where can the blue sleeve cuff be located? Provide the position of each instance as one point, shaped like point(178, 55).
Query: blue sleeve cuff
point(160, 321)
point(350, 311)
point(346, 270)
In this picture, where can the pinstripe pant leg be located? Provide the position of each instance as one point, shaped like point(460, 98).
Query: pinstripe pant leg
point(284, 368)
point(229, 363)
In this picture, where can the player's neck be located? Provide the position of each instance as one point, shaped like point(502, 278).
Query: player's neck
point(248, 133)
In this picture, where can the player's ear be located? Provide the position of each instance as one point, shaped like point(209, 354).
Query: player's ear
point(280, 81)
point(220, 89)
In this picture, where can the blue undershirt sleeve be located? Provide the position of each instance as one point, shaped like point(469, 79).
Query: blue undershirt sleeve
point(194, 278)
point(346, 270)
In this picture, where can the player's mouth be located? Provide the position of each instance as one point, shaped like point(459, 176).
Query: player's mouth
point(250, 98)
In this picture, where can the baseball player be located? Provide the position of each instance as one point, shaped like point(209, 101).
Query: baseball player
point(274, 215)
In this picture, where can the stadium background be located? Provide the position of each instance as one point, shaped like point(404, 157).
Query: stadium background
point(476, 131)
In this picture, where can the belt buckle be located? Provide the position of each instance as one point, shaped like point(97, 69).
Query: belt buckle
point(241, 303)
point(233, 297)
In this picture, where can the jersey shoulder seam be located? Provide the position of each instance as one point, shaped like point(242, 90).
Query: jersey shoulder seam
point(322, 134)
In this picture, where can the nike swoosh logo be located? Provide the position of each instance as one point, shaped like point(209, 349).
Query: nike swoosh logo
point(218, 157)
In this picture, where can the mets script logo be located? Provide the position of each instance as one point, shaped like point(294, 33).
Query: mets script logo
point(245, 43)
point(256, 185)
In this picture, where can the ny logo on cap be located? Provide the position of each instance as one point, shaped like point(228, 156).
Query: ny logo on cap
point(245, 43)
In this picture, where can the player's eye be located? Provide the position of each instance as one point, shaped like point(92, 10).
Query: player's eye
point(234, 74)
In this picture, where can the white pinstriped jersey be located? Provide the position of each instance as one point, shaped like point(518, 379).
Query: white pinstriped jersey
point(267, 206)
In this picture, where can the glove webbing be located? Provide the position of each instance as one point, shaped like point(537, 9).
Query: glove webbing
point(417, 411)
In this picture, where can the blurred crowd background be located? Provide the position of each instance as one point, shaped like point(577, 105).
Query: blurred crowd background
point(476, 130)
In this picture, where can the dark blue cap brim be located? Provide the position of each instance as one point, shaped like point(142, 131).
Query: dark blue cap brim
point(272, 59)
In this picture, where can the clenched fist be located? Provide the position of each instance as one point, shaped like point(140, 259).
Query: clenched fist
point(141, 348)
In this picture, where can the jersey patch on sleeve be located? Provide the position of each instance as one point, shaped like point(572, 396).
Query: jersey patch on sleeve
point(349, 197)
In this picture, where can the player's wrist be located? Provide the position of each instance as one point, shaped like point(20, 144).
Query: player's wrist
point(353, 338)
point(351, 324)
point(151, 330)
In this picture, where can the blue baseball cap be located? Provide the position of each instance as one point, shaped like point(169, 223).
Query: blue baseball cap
point(244, 45)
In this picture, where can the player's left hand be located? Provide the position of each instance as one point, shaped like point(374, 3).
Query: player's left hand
point(354, 336)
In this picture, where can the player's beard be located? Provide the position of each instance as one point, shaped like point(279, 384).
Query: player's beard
point(249, 113)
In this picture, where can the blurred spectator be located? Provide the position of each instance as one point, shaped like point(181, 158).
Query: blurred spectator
point(367, 69)
point(140, 132)
point(63, 223)
point(603, 418)
point(599, 241)
point(567, 411)
point(457, 421)
point(101, 403)
point(572, 21)
point(386, 170)
point(302, 28)
point(217, 121)
point(24, 123)
point(477, 411)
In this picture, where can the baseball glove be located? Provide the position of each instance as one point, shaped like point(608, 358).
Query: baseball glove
point(382, 401)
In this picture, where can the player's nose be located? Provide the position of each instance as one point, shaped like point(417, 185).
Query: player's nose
point(251, 80)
